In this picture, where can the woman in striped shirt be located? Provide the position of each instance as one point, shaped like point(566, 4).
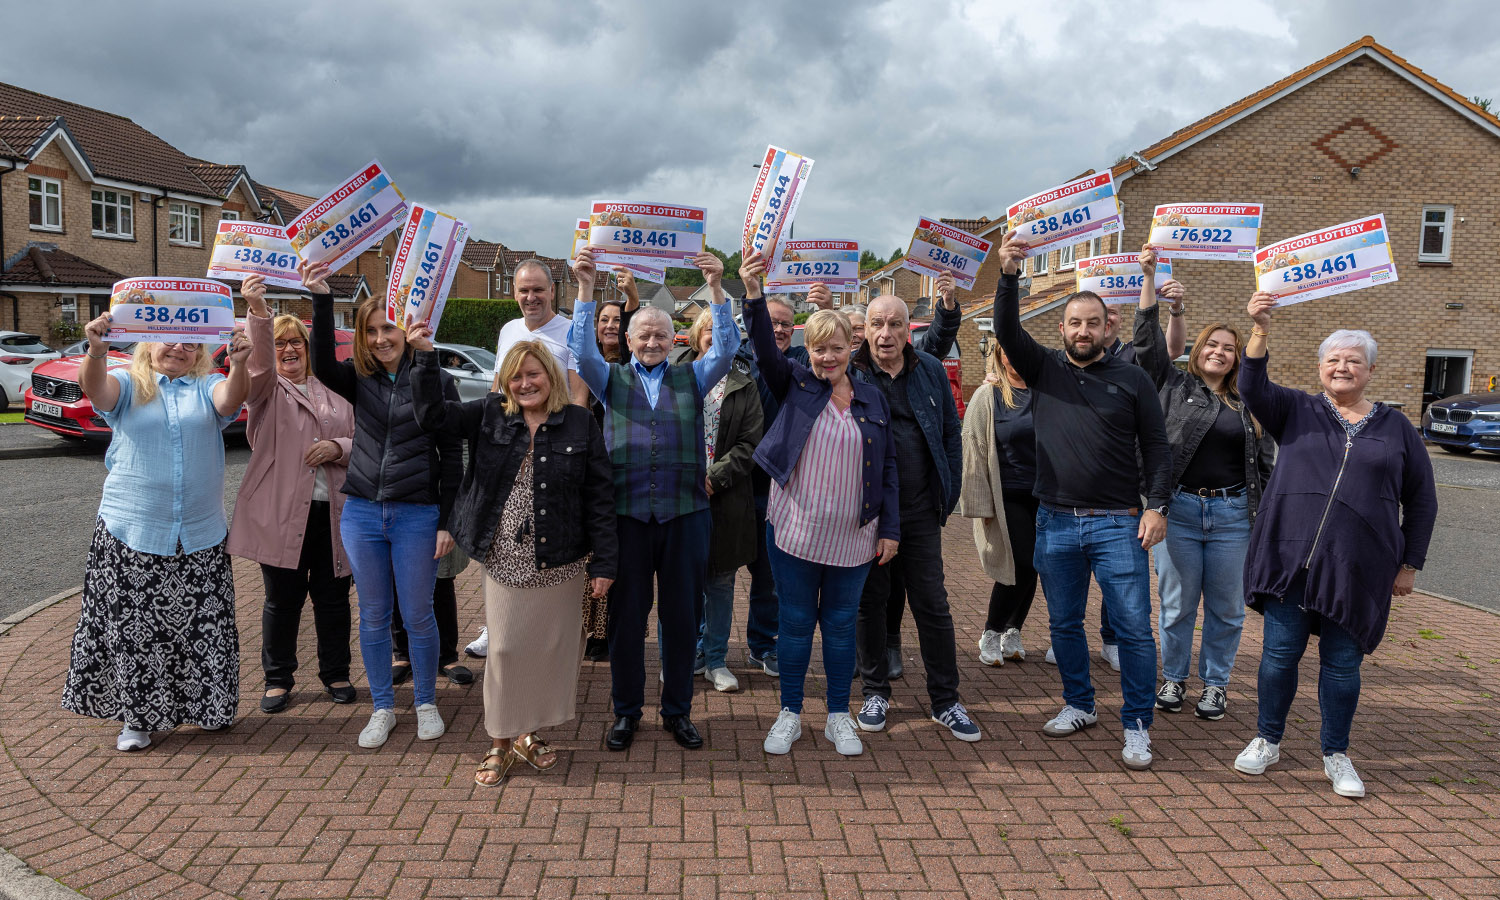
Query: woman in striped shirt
point(832, 507)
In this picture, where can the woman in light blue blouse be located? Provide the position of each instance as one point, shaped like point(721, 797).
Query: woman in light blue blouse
point(156, 645)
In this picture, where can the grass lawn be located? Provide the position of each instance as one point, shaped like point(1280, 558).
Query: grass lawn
point(8, 418)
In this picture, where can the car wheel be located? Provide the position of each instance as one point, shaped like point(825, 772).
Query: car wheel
point(4, 401)
point(1461, 451)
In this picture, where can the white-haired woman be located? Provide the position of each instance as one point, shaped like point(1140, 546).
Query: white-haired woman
point(1344, 523)
point(156, 645)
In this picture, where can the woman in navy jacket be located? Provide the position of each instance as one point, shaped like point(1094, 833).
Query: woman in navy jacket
point(833, 505)
point(1344, 523)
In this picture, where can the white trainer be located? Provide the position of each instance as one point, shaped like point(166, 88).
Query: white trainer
point(131, 740)
point(992, 648)
point(786, 732)
point(1258, 755)
point(841, 732)
point(1340, 770)
point(1070, 720)
point(1050, 659)
point(1010, 645)
point(722, 679)
point(430, 725)
point(479, 648)
point(1137, 752)
point(379, 728)
point(1111, 654)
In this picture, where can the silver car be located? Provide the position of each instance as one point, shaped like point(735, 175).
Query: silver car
point(19, 354)
point(472, 368)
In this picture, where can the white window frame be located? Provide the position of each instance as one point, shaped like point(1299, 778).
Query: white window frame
point(68, 303)
point(1446, 254)
point(1466, 355)
point(41, 191)
point(228, 215)
point(124, 207)
point(1096, 246)
point(1065, 258)
point(339, 317)
point(1039, 263)
point(187, 220)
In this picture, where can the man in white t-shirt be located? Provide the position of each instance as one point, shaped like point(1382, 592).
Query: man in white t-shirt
point(540, 322)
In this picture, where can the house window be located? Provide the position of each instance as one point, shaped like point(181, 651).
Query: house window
point(185, 224)
point(1039, 264)
point(339, 319)
point(1096, 247)
point(69, 304)
point(46, 203)
point(228, 215)
point(114, 213)
point(1065, 258)
point(1437, 234)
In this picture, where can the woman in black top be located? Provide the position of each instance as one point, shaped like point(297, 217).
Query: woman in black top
point(1220, 463)
point(400, 486)
point(999, 475)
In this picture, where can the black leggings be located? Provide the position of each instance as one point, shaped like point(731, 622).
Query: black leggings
point(1010, 603)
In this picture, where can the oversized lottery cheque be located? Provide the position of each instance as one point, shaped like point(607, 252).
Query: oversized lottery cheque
point(672, 235)
point(252, 248)
point(806, 263)
point(1117, 277)
point(349, 219)
point(645, 270)
point(196, 310)
point(1207, 230)
point(937, 248)
point(422, 271)
point(1067, 214)
point(774, 201)
point(1331, 261)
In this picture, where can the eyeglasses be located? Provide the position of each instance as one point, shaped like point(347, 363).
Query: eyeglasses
point(294, 343)
point(782, 325)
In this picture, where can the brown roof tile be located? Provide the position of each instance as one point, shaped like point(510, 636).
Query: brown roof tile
point(343, 286)
point(512, 258)
point(19, 133)
point(217, 175)
point(972, 226)
point(44, 264)
point(288, 203)
point(682, 291)
point(479, 254)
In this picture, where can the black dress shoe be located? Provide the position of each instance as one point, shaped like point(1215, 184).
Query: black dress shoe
point(621, 733)
point(683, 731)
point(458, 674)
point(400, 673)
point(596, 650)
point(276, 703)
point(342, 694)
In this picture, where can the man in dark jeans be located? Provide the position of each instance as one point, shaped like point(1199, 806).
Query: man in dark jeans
point(929, 456)
point(1092, 411)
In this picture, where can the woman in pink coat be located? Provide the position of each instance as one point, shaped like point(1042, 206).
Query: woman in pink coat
point(287, 514)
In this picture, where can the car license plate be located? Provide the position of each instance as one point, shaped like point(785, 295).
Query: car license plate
point(46, 409)
point(1443, 428)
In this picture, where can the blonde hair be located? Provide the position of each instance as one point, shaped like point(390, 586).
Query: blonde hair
point(704, 322)
point(143, 373)
point(557, 393)
point(287, 327)
point(994, 366)
point(365, 362)
point(821, 326)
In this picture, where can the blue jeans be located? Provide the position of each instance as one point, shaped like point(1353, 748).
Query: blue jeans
point(1068, 549)
point(1287, 627)
point(390, 548)
point(761, 624)
point(811, 595)
point(1203, 556)
point(718, 615)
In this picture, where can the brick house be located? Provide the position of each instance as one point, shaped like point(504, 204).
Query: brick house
point(1359, 132)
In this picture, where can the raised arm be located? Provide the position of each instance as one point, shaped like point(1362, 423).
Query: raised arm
point(433, 410)
point(591, 365)
point(258, 322)
point(1269, 402)
point(93, 373)
point(229, 394)
point(1150, 343)
point(340, 377)
point(1026, 355)
point(938, 337)
point(714, 364)
point(774, 367)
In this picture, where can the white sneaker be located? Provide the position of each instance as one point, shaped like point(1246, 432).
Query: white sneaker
point(130, 740)
point(841, 733)
point(786, 732)
point(992, 648)
point(479, 648)
point(1049, 659)
point(379, 728)
point(430, 725)
point(1257, 756)
point(1137, 752)
point(1340, 770)
point(1010, 645)
point(1111, 654)
point(722, 679)
point(1068, 721)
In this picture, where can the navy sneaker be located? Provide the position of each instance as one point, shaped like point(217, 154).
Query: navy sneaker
point(957, 720)
point(872, 714)
point(767, 663)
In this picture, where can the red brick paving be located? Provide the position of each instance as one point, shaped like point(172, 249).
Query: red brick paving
point(288, 806)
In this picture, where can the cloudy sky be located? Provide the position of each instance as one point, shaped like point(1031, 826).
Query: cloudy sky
point(515, 115)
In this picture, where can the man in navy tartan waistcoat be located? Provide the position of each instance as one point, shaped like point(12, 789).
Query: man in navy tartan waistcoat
point(653, 427)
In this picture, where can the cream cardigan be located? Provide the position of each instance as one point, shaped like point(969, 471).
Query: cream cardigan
point(980, 499)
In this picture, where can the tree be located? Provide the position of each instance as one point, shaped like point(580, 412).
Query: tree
point(869, 262)
point(691, 276)
point(897, 254)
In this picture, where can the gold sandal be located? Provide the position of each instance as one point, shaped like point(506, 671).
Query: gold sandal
point(498, 759)
point(535, 752)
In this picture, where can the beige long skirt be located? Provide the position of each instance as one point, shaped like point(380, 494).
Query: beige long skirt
point(531, 672)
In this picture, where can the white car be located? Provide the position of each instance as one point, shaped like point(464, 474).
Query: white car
point(19, 354)
point(472, 368)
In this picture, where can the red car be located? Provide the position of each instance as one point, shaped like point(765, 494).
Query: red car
point(56, 402)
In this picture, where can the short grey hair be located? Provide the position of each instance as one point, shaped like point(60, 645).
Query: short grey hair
point(1345, 338)
point(653, 312)
point(532, 263)
point(854, 309)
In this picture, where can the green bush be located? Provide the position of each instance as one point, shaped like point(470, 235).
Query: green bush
point(475, 321)
point(801, 318)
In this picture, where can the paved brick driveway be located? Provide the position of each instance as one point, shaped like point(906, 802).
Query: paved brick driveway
point(288, 806)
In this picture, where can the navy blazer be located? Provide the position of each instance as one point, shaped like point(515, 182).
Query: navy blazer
point(803, 396)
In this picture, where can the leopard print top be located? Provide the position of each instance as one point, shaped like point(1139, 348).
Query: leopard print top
point(512, 556)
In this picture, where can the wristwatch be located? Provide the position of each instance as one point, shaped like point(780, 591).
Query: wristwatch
point(1408, 567)
point(1159, 510)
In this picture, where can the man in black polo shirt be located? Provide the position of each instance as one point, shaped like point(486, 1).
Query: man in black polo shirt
point(1091, 411)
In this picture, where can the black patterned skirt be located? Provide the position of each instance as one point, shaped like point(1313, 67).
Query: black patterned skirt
point(156, 644)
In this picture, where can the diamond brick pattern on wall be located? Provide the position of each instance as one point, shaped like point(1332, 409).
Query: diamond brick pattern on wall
point(1356, 143)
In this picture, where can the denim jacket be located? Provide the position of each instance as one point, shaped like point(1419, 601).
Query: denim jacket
point(803, 396)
